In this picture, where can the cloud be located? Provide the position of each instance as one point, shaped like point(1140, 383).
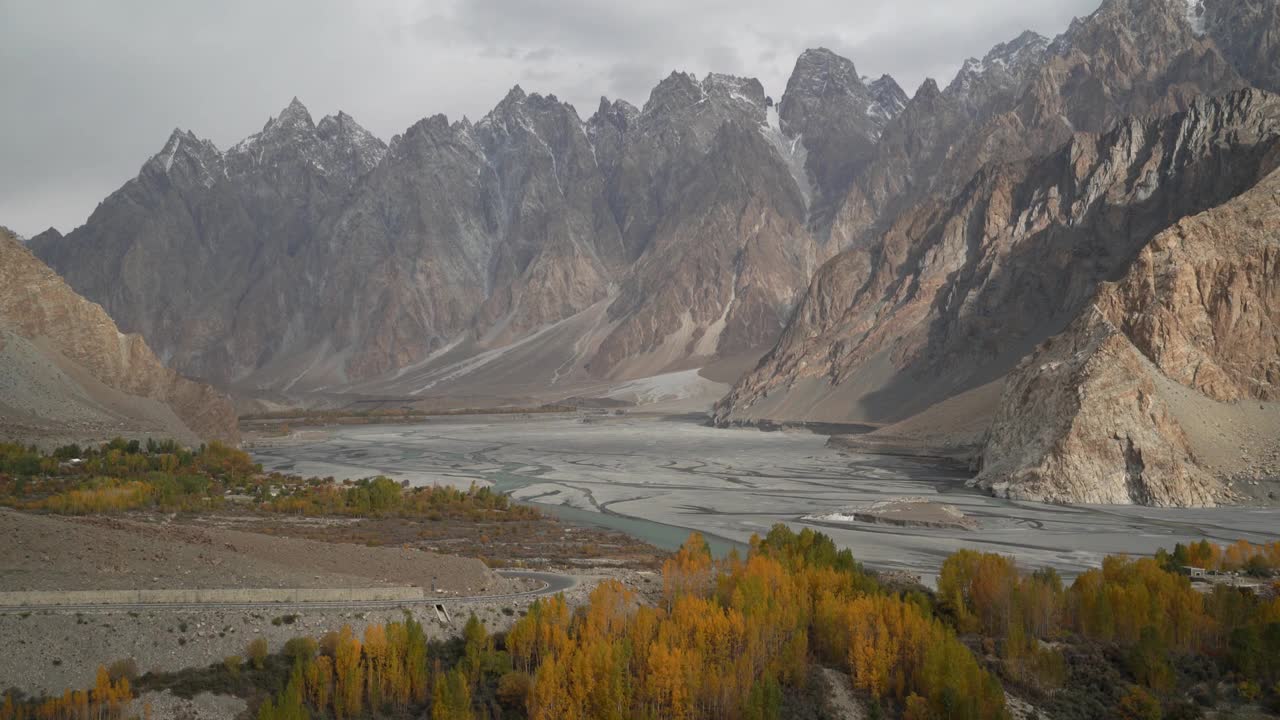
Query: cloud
point(93, 89)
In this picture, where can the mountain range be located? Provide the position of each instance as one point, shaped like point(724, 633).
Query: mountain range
point(963, 267)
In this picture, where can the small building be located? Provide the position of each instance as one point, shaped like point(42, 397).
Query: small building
point(1195, 572)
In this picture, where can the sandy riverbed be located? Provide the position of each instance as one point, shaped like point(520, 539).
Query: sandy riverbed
point(661, 478)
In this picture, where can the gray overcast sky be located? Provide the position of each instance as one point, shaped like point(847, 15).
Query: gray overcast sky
point(91, 89)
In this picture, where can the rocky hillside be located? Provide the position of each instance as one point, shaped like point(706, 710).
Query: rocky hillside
point(67, 373)
point(957, 292)
point(1139, 400)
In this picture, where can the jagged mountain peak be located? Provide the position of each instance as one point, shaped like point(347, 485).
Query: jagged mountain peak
point(293, 124)
point(50, 234)
point(347, 137)
point(185, 149)
point(619, 112)
point(433, 126)
point(1141, 22)
point(733, 87)
point(677, 90)
point(518, 101)
point(819, 72)
point(1002, 70)
point(682, 92)
point(336, 147)
point(928, 90)
point(889, 96)
point(295, 113)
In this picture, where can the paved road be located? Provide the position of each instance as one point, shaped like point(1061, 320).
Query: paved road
point(552, 583)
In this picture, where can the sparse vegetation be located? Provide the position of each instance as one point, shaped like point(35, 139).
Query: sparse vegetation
point(122, 476)
point(257, 652)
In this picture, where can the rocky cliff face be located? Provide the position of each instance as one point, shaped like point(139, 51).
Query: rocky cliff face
point(957, 292)
point(1113, 410)
point(68, 372)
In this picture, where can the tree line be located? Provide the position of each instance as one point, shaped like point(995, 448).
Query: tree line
point(739, 637)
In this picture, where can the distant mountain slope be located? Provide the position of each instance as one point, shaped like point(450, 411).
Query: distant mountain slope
point(67, 373)
point(956, 293)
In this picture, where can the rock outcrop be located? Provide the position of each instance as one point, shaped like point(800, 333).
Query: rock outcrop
point(68, 372)
point(1108, 411)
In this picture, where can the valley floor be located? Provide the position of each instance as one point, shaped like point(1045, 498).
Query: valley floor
point(50, 648)
point(659, 478)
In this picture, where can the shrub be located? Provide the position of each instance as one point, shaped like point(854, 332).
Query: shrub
point(257, 651)
point(514, 689)
point(124, 669)
point(301, 648)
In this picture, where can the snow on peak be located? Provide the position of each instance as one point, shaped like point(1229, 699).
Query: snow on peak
point(888, 96)
point(1195, 16)
point(740, 89)
point(200, 160)
point(171, 149)
point(1004, 67)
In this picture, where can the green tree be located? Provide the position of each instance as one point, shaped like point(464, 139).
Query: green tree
point(1137, 704)
point(452, 697)
point(257, 652)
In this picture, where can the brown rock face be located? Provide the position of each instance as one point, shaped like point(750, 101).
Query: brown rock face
point(74, 341)
point(1202, 300)
point(1085, 420)
point(1094, 415)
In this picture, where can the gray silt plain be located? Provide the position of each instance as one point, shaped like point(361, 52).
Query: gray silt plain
point(659, 479)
